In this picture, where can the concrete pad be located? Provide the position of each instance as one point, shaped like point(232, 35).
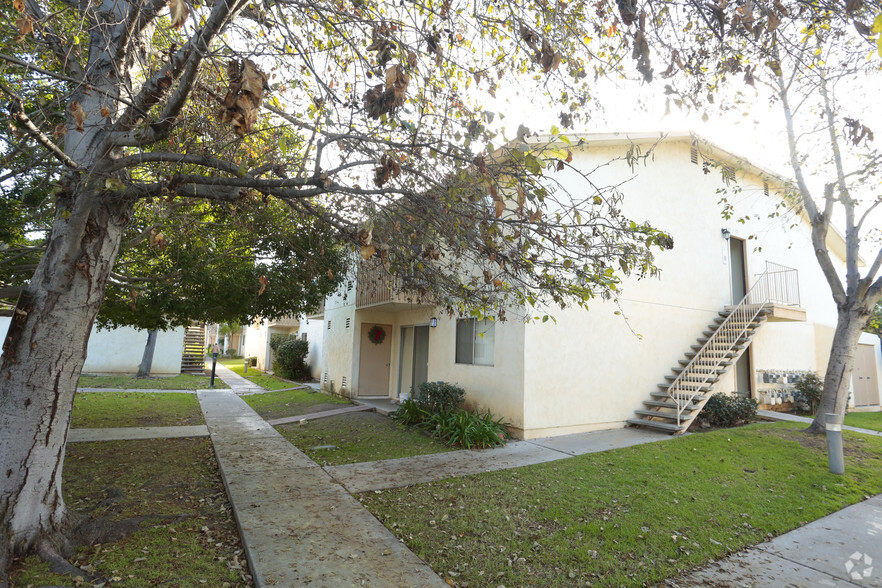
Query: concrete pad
point(838, 544)
point(142, 390)
point(131, 433)
point(594, 441)
point(755, 568)
point(395, 473)
point(320, 415)
point(298, 526)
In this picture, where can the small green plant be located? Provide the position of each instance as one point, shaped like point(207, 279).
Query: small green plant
point(439, 397)
point(410, 413)
point(723, 410)
point(809, 389)
point(290, 360)
point(468, 429)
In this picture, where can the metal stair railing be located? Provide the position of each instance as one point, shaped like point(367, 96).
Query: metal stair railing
point(777, 285)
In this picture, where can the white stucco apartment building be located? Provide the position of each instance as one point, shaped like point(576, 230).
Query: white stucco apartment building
point(590, 369)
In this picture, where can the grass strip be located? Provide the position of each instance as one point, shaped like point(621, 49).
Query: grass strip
point(254, 375)
point(865, 420)
point(129, 382)
point(359, 437)
point(278, 405)
point(135, 409)
point(631, 516)
point(193, 544)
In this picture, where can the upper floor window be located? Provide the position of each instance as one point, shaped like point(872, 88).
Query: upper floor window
point(475, 340)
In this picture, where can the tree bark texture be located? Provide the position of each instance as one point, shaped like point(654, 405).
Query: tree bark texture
point(837, 379)
point(43, 355)
point(147, 358)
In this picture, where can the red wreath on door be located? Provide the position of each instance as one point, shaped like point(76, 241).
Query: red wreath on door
point(376, 335)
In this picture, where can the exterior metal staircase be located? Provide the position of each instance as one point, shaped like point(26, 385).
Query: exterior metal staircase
point(193, 357)
point(679, 400)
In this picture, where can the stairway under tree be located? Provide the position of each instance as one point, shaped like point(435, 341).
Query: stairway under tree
point(193, 357)
point(678, 401)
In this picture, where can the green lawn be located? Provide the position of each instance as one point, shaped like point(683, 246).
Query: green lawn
point(262, 379)
point(628, 517)
point(135, 409)
point(360, 436)
point(128, 382)
point(277, 405)
point(865, 420)
point(189, 538)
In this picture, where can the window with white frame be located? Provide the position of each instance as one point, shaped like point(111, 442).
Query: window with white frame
point(475, 341)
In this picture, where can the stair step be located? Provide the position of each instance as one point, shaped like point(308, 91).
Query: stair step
point(662, 415)
point(698, 367)
point(664, 394)
point(693, 379)
point(669, 404)
point(656, 425)
point(734, 348)
point(688, 387)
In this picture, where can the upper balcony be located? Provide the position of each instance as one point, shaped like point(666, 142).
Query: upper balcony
point(377, 287)
point(287, 321)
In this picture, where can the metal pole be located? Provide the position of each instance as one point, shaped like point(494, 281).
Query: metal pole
point(213, 367)
point(834, 443)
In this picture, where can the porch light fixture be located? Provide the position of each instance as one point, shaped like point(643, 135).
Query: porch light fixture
point(726, 233)
point(433, 322)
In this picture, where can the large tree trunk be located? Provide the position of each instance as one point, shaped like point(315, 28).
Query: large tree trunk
point(837, 380)
point(147, 358)
point(43, 355)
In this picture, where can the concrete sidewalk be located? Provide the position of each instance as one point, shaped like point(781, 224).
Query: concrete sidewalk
point(843, 549)
point(299, 527)
point(783, 416)
point(135, 433)
point(237, 383)
point(395, 473)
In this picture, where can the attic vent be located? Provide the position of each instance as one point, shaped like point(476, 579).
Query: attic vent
point(728, 173)
point(325, 378)
point(693, 155)
point(765, 188)
point(329, 325)
point(347, 323)
point(343, 382)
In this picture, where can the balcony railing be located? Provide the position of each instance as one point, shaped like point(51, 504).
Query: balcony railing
point(376, 286)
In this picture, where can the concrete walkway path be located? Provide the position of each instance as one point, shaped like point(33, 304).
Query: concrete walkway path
point(142, 390)
point(311, 416)
point(135, 433)
point(237, 383)
point(395, 473)
point(843, 549)
point(783, 416)
point(299, 528)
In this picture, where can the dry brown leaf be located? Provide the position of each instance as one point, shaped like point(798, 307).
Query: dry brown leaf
point(76, 109)
point(488, 277)
point(59, 130)
point(497, 282)
point(178, 12)
point(18, 5)
point(263, 282)
point(105, 112)
point(500, 208)
point(242, 102)
point(367, 252)
point(521, 197)
point(25, 26)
